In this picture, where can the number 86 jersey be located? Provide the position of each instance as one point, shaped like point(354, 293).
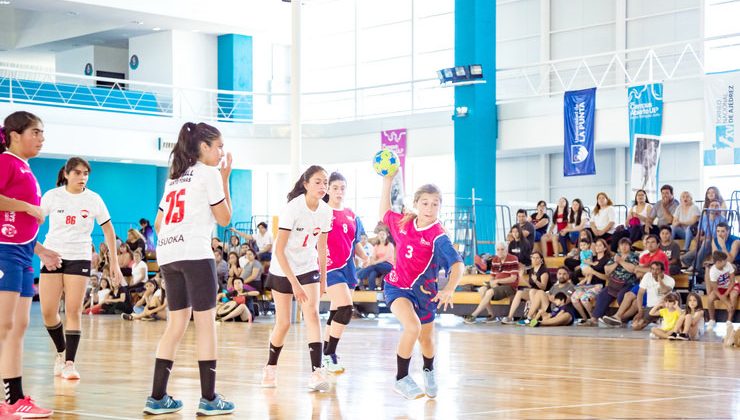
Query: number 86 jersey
point(420, 252)
point(187, 220)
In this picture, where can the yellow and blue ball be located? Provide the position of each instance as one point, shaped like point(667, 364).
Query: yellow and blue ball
point(386, 162)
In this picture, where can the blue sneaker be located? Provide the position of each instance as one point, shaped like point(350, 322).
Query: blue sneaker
point(164, 406)
point(408, 388)
point(430, 383)
point(216, 407)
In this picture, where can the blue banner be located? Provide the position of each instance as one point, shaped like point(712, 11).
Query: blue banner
point(645, 111)
point(578, 153)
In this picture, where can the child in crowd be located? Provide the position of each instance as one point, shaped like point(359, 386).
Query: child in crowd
point(722, 287)
point(562, 313)
point(690, 325)
point(669, 310)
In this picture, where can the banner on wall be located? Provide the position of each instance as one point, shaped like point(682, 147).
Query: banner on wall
point(396, 141)
point(645, 157)
point(646, 126)
point(720, 146)
point(579, 110)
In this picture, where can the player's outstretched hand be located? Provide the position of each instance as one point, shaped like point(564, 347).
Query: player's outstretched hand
point(444, 299)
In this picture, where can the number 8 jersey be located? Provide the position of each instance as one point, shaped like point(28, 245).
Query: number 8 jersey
point(187, 220)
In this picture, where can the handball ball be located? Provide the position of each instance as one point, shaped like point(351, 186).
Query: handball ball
point(386, 162)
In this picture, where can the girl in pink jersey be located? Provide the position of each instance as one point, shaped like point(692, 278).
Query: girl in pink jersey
point(422, 250)
point(20, 216)
point(341, 277)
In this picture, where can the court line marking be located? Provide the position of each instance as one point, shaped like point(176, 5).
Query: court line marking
point(598, 404)
point(100, 416)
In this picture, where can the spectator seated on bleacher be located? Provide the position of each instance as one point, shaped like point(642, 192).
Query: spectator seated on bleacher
point(671, 250)
point(222, 268)
point(621, 278)
point(147, 232)
point(573, 258)
point(633, 227)
point(367, 247)
point(217, 244)
point(557, 227)
point(713, 194)
point(125, 261)
point(686, 220)
point(729, 244)
point(537, 277)
point(652, 253)
point(594, 279)
point(541, 301)
point(540, 220)
point(234, 304)
point(562, 313)
point(691, 323)
point(577, 224)
point(707, 230)
point(150, 306)
point(520, 247)
point(380, 263)
point(504, 282)
point(235, 270)
point(662, 212)
point(527, 228)
point(135, 241)
point(722, 286)
point(252, 272)
point(668, 311)
point(653, 287)
point(116, 301)
point(604, 218)
point(233, 245)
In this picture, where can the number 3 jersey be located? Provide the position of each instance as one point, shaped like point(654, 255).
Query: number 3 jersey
point(305, 227)
point(346, 229)
point(420, 253)
point(72, 218)
point(187, 220)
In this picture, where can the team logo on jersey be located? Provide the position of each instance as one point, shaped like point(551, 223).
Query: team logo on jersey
point(84, 213)
point(329, 262)
point(393, 276)
point(316, 231)
point(8, 231)
point(60, 211)
point(425, 242)
point(299, 229)
point(402, 231)
point(10, 216)
point(350, 218)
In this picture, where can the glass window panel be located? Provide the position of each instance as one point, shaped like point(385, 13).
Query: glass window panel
point(427, 64)
point(379, 12)
point(434, 33)
point(433, 7)
point(384, 72)
point(384, 42)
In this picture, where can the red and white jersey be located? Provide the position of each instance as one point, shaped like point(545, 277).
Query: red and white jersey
point(420, 252)
point(187, 219)
point(18, 182)
point(71, 221)
point(346, 229)
point(305, 227)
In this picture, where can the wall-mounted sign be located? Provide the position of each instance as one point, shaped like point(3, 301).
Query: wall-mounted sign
point(133, 63)
point(88, 69)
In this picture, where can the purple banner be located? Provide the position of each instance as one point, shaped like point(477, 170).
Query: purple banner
point(395, 140)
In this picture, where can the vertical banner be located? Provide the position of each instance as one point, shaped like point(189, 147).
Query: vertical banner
point(579, 110)
point(645, 157)
point(646, 126)
point(720, 146)
point(396, 140)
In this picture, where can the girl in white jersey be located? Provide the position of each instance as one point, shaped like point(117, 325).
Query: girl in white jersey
point(72, 210)
point(298, 268)
point(196, 196)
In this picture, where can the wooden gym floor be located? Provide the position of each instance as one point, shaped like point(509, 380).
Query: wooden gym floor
point(484, 372)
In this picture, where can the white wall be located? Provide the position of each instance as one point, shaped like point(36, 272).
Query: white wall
point(33, 59)
point(73, 62)
point(195, 64)
point(155, 57)
point(111, 59)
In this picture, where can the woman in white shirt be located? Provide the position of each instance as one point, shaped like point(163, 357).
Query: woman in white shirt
point(603, 218)
point(72, 210)
point(685, 219)
point(298, 268)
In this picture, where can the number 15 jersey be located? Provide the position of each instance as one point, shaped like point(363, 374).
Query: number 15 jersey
point(187, 220)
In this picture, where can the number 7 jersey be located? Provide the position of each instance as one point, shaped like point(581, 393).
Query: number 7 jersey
point(187, 220)
point(420, 252)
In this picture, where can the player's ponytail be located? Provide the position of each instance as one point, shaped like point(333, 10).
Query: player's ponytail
point(300, 188)
point(424, 189)
point(334, 177)
point(68, 167)
point(187, 149)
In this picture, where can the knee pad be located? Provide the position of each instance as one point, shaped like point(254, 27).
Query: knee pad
point(332, 314)
point(343, 315)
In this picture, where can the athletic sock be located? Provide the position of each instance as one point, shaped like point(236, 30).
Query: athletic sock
point(162, 369)
point(331, 347)
point(13, 390)
point(73, 340)
point(403, 367)
point(207, 379)
point(274, 355)
point(57, 336)
point(428, 363)
point(314, 350)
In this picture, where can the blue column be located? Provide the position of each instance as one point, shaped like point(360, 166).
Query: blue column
point(235, 73)
point(476, 133)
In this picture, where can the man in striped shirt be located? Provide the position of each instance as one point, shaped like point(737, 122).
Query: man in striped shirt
point(503, 284)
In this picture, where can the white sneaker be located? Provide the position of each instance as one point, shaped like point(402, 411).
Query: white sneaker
point(69, 371)
point(710, 325)
point(269, 376)
point(59, 364)
point(653, 336)
point(318, 381)
point(332, 365)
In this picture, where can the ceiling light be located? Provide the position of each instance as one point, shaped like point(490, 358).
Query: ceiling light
point(4, 2)
point(137, 22)
point(126, 161)
point(156, 28)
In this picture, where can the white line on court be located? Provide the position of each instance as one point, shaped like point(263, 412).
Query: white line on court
point(83, 414)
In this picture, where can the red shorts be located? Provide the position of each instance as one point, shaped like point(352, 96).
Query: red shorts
point(736, 288)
